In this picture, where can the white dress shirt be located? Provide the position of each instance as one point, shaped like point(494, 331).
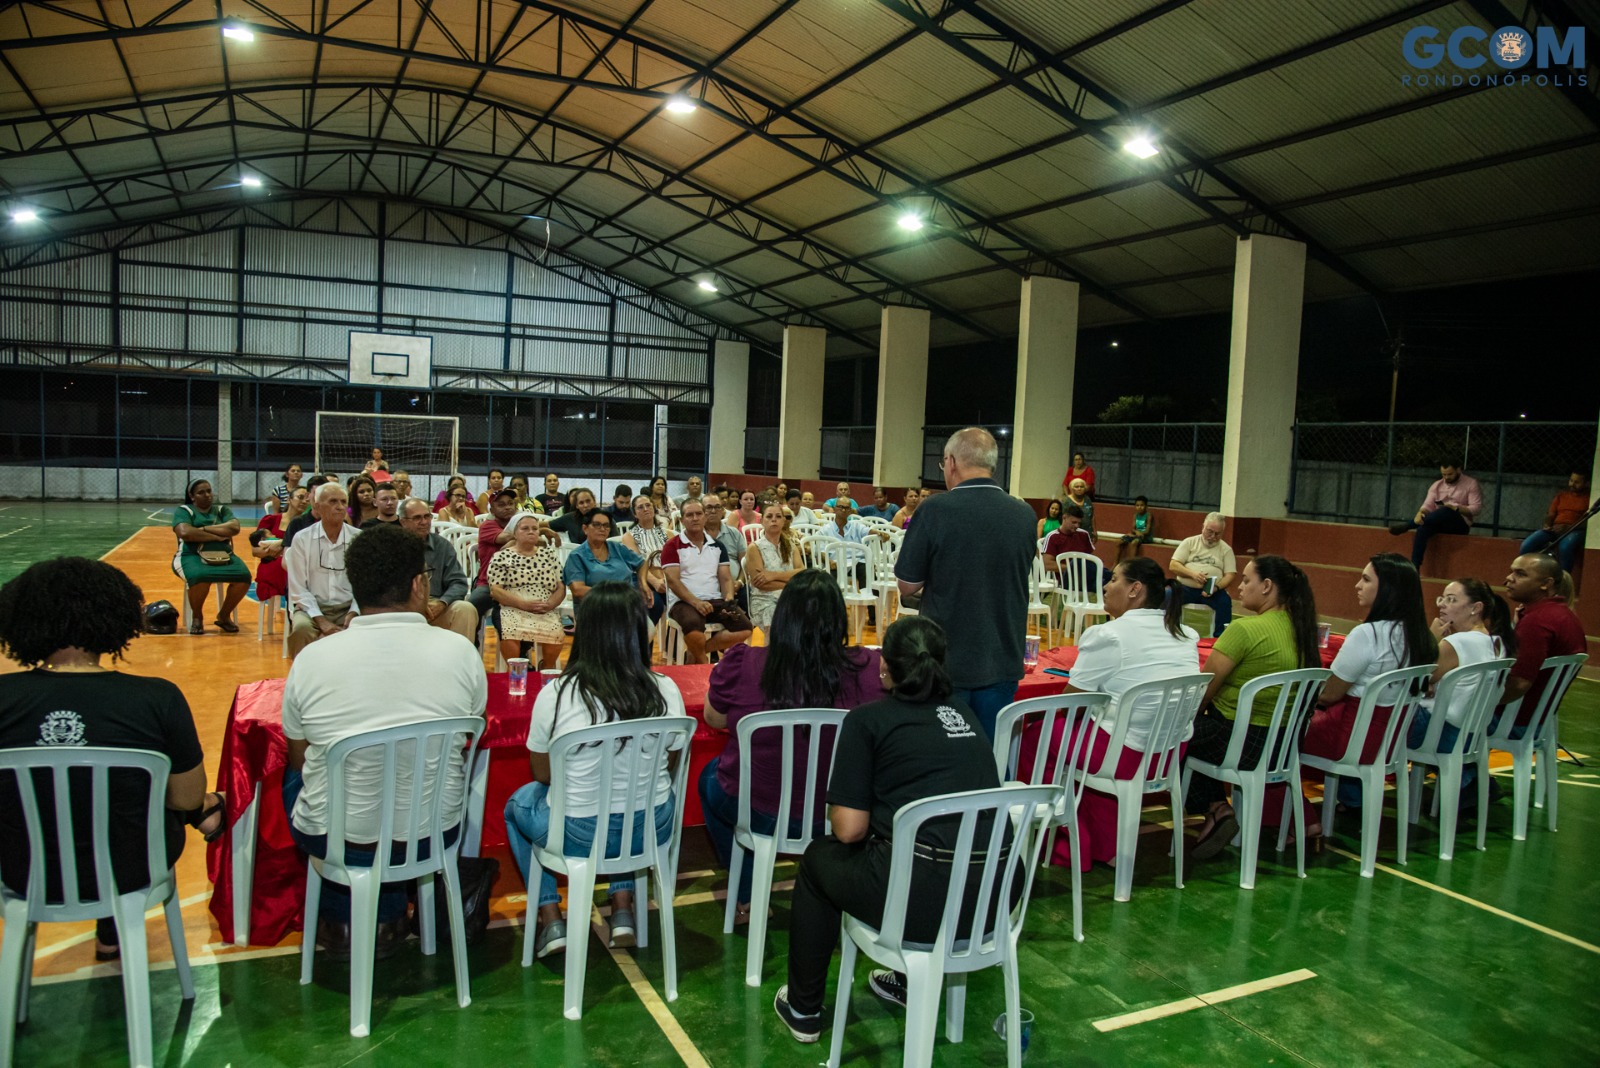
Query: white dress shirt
point(315, 564)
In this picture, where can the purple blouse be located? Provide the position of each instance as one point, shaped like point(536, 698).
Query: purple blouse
point(735, 691)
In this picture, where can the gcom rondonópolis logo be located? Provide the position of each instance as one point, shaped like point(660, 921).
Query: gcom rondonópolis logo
point(1557, 59)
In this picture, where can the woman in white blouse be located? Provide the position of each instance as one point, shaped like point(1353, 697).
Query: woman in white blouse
point(1143, 641)
point(770, 563)
point(649, 535)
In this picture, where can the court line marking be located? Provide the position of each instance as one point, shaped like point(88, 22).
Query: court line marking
point(1475, 903)
point(1569, 781)
point(653, 1004)
point(1200, 1001)
point(19, 530)
point(123, 543)
point(88, 936)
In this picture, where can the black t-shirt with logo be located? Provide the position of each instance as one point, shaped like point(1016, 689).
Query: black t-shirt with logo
point(109, 709)
point(893, 752)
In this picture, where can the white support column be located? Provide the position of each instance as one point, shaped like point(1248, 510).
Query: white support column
point(660, 438)
point(1047, 362)
point(902, 397)
point(1263, 373)
point(800, 411)
point(224, 481)
point(730, 387)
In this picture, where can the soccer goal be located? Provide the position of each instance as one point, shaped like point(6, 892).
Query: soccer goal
point(424, 446)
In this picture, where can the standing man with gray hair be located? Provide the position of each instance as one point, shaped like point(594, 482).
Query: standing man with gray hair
point(969, 556)
point(1204, 566)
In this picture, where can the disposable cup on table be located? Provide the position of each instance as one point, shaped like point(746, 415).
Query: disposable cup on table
point(518, 667)
point(1030, 650)
point(1324, 631)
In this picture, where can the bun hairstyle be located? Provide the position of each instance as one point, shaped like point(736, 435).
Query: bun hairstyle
point(914, 649)
point(1496, 614)
point(1295, 597)
point(1160, 592)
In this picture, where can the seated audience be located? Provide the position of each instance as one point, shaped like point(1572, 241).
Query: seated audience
point(552, 500)
point(1142, 642)
point(806, 663)
point(279, 499)
point(880, 508)
point(311, 515)
point(649, 537)
point(447, 606)
point(519, 486)
point(1078, 494)
point(443, 499)
point(386, 507)
point(696, 492)
point(732, 540)
point(841, 491)
point(525, 581)
point(607, 678)
point(908, 509)
point(1143, 532)
point(918, 742)
point(845, 525)
point(266, 545)
point(71, 698)
point(1449, 507)
point(621, 507)
point(1473, 626)
point(319, 588)
point(1068, 539)
point(749, 511)
point(1566, 508)
point(1205, 569)
point(363, 495)
point(493, 533)
point(459, 509)
point(1546, 627)
point(205, 532)
point(497, 482)
point(770, 563)
point(700, 588)
point(328, 697)
point(1079, 471)
point(1281, 636)
point(792, 510)
point(808, 503)
point(666, 507)
point(1394, 635)
point(570, 522)
point(598, 559)
point(1052, 520)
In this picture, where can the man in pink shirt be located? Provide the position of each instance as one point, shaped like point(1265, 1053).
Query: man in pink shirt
point(1449, 508)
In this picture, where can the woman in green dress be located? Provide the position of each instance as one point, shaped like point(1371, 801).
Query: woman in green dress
point(205, 532)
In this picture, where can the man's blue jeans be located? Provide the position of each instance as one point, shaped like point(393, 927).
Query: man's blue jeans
point(722, 815)
point(335, 903)
point(528, 823)
point(1567, 549)
point(1220, 603)
point(986, 702)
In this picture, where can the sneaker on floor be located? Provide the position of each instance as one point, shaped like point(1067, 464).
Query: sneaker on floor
point(803, 1028)
point(888, 985)
point(552, 939)
point(622, 929)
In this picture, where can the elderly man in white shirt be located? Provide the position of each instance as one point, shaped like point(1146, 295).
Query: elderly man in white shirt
point(319, 590)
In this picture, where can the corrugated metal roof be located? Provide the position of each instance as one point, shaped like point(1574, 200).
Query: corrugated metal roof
point(916, 78)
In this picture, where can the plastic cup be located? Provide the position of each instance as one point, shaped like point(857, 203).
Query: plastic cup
point(1026, 1017)
point(1030, 651)
point(549, 675)
point(1324, 630)
point(518, 667)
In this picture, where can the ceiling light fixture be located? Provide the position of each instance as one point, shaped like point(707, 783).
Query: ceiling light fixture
point(910, 221)
point(24, 215)
point(237, 33)
point(1141, 146)
point(680, 105)
point(707, 284)
point(250, 181)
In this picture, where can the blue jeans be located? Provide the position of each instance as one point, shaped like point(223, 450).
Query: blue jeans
point(1567, 548)
point(1220, 603)
point(722, 815)
point(528, 824)
point(986, 702)
point(1447, 741)
point(335, 903)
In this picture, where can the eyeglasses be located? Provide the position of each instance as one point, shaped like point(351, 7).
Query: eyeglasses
point(331, 558)
point(1444, 599)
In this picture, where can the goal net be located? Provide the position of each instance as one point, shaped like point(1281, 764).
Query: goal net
point(423, 446)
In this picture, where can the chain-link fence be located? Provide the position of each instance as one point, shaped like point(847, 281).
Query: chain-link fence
point(761, 450)
point(94, 436)
point(1174, 465)
point(847, 452)
point(1378, 472)
point(933, 441)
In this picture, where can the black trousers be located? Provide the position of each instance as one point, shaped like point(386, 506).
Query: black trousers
point(1212, 731)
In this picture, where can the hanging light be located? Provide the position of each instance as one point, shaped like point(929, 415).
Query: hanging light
point(1141, 146)
point(910, 221)
point(707, 285)
point(250, 181)
point(24, 215)
point(238, 33)
point(680, 105)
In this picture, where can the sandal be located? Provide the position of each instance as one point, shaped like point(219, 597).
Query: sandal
point(198, 816)
point(197, 627)
point(228, 625)
point(1224, 825)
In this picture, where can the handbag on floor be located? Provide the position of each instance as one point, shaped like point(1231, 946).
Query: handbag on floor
point(477, 883)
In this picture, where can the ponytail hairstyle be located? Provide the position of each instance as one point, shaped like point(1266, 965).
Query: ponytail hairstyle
point(1294, 595)
point(1399, 600)
point(1496, 614)
point(914, 649)
point(1157, 586)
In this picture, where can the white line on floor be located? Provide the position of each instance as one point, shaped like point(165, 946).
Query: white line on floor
point(1569, 781)
point(19, 530)
point(1475, 903)
point(653, 1004)
point(88, 936)
point(1200, 1001)
point(119, 545)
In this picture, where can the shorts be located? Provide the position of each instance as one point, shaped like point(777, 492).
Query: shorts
point(726, 614)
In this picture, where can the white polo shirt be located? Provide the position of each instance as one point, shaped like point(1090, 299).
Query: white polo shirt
point(697, 566)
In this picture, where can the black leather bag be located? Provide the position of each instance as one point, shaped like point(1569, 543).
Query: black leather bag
point(477, 884)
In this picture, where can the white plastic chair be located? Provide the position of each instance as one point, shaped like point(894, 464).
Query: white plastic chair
point(1278, 764)
point(1488, 680)
point(929, 968)
point(1039, 606)
point(845, 556)
point(1540, 739)
point(24, 914)
point(796, 802)
point(642, 745)
point(1178, 702)
point(815, 549)
point(414, 753)
point(1076, 713)
point(1082, 577)
point(1402, 689)
point(267, 616)
point(751, 532)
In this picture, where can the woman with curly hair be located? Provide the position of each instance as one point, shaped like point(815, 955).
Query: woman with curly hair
point(61, 618)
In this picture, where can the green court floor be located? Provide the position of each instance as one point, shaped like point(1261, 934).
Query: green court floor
point(31, 531)
point(1487, 959)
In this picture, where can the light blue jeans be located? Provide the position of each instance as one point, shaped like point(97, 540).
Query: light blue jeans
point(528, 823)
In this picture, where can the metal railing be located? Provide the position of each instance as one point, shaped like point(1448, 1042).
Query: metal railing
point(761, 450)
point(934, 437)
point(1174, 465)
point(847, 452)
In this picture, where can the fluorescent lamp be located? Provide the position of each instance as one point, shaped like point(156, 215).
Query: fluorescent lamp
point(1141, 146)
point(680, 105)
point(237, 33)
point(24, 215)
point(707, 284)
point(910, 221)
point(250, 181)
